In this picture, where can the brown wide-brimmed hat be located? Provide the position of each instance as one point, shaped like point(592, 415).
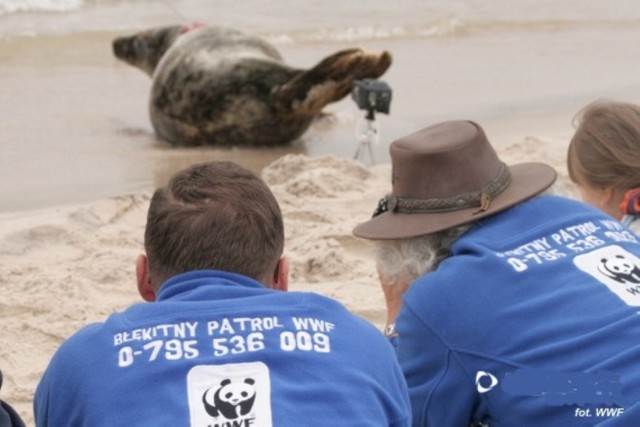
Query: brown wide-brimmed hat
point(447, 175)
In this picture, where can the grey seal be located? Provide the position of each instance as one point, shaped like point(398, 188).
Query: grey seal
point(223, 87)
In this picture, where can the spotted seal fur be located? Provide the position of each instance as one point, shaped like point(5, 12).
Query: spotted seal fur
point(220, 86)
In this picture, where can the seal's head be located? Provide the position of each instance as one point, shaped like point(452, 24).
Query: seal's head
point(143, 50)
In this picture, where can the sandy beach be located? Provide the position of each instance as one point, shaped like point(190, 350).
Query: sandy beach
point(80, 159)
point(68, 266)
point(76, 125)
point(68, 245)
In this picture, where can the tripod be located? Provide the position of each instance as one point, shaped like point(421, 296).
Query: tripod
point(368, 133)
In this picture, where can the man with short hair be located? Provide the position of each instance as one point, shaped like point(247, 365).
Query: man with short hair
point(220, 342)
point(507, 307)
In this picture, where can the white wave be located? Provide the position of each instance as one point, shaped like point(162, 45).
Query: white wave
point(425, 30)
point(12, 6)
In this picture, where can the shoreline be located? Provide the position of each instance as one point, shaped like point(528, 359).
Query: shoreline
point(80, 131)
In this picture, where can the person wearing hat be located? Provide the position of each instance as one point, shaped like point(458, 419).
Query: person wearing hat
point(507, 305)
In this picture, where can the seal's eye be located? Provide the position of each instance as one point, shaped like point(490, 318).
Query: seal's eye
point(140, 47)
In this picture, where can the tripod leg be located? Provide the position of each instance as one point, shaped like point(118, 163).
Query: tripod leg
point(357, 155)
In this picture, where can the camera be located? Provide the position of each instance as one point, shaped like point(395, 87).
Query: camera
point(372, 95)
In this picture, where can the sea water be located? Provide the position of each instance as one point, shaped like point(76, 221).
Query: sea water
point(74, 120)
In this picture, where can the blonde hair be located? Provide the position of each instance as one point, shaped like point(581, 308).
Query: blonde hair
point(605, 149)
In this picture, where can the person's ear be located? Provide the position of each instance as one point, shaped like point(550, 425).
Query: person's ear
point(607, 196)
point(281, 275)
point(610, 199)
point(145, 289)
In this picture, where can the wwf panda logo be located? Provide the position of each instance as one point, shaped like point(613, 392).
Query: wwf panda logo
point(230, 399)
point(619, 269)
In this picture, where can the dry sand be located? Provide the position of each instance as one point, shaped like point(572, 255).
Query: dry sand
point(62, 268)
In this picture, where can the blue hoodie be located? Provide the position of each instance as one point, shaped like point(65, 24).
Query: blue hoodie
point(221, 350)
point(533, 320)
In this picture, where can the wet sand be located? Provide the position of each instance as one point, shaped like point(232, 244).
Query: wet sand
point(76, 127)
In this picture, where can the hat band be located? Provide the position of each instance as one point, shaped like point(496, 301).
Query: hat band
point(481, 199)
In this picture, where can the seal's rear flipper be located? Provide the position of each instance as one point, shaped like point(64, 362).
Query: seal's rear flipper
point(330, 80)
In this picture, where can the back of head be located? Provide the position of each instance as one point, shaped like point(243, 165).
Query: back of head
point(605, 148)
point(214, 216)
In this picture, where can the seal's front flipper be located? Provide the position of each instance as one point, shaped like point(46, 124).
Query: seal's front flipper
point(330, 80)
